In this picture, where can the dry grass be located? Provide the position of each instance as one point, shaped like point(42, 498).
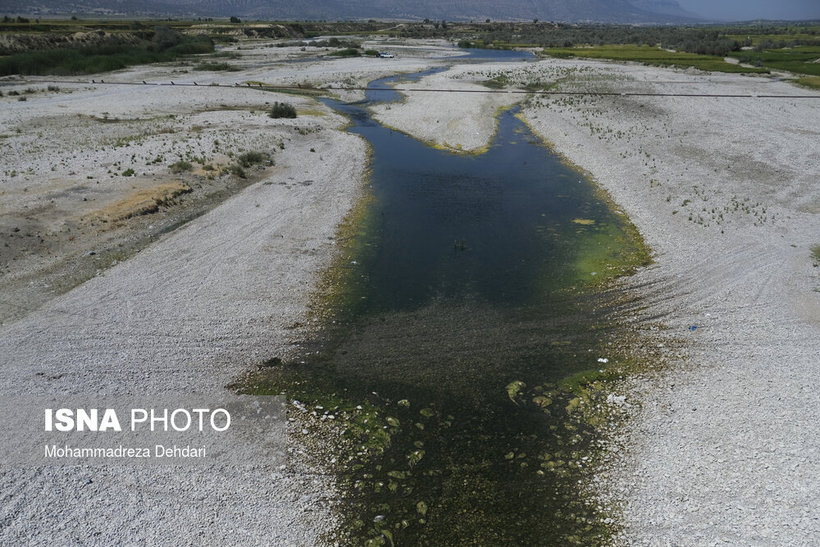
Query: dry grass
point(142, 202)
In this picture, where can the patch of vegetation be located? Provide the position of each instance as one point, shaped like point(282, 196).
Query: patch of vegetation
point(237, 170)
point(226, 55)
point(812, 82)
point(799, 59)
point(790, 47)
point(499, 82)
point(336, 43)
point(163, 45)
point(282, 110)
point(180, 166)
point(209, 65)
point(652, 56)
point(815, 255)
point(774, 36)
point(347, 52)
point(249, 159)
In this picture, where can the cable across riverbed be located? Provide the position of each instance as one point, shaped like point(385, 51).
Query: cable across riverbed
point(543, 92)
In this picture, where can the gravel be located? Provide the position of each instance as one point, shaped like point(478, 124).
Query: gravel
point(723, 446)
point(185, 316)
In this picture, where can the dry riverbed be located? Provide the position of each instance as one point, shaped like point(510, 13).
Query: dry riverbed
point(721, 445)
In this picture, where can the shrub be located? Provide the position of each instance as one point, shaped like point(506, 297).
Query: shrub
point(283, 110)
point(237, 170)
point(205, 65)
point(180, 166)
point(249, 159)
point(348, 52)
point(128, 173)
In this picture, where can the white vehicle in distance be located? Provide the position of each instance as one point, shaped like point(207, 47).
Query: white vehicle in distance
point(386, 55)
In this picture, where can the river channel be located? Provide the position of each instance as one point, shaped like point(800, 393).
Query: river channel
point(468, 310)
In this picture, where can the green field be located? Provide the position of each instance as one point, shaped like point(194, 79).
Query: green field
point(809, 81)
point(755, 39)
point(652, 56)
point(798, 59)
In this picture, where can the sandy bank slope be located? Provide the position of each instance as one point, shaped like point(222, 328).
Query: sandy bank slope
point(184, 316)
point(725, 190)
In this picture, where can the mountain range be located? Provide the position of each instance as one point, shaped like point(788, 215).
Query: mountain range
point(605, 11)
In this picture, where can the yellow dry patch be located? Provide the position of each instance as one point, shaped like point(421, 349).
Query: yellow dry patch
point(311, 112)
point(142, 202)
point(583, 221)
point(214, 170)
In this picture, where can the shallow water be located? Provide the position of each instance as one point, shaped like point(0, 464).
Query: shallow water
point(459, 315)
point(505, 226)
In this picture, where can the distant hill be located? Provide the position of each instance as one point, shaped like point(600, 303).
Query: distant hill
point(664, 7)
point(605, 11)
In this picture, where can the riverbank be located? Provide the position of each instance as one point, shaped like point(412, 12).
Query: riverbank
point(163, 312)
point(720, 446)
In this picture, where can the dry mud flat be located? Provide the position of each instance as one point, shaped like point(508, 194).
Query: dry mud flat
point(723, 446)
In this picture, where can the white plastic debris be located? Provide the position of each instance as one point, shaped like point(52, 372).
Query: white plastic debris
point(613, 399)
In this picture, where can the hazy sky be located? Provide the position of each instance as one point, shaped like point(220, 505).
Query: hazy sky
point(742, 10)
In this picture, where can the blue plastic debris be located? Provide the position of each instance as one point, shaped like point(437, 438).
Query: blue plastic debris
point(693, 327)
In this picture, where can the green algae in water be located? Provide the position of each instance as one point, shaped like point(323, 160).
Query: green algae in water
point(461, 317)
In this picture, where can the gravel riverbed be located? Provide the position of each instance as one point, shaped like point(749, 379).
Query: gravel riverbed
point(719, 447)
